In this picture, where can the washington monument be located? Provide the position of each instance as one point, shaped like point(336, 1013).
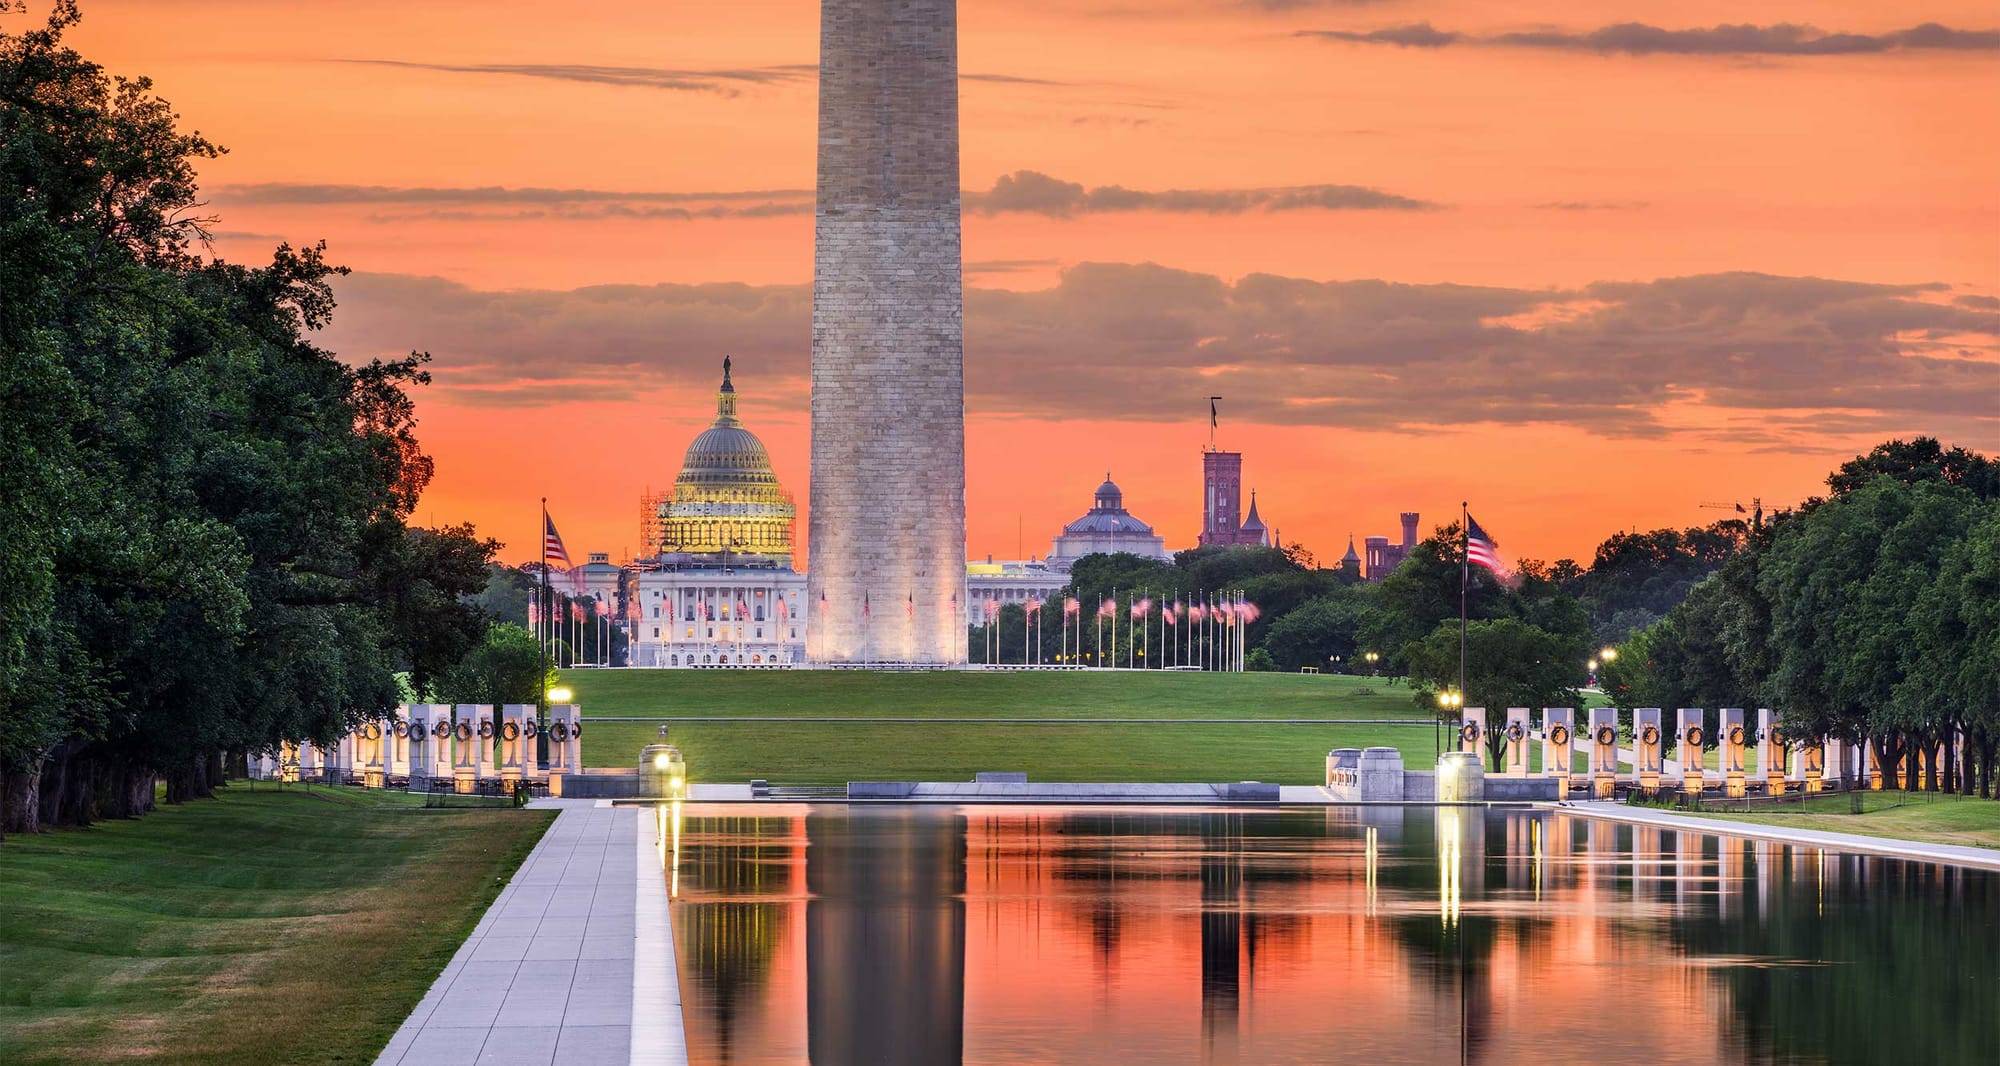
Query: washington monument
point(886, 554)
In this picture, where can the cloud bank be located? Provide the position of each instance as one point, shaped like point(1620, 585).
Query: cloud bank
point(1640, 39)
point(1022, 192)
point(1777, 357)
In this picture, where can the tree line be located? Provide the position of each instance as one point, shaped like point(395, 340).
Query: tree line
point(1870, 614)
point(208, 542)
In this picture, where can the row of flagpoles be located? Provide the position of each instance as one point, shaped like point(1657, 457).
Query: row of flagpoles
point(1205, 631)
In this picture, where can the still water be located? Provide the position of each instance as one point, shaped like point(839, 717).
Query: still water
point(888, 935)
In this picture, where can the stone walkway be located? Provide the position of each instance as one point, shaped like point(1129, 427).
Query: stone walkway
point(573, 951)
point(1957, 855)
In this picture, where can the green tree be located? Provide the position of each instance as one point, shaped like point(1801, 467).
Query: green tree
point(505, 668)
point(1508, 663)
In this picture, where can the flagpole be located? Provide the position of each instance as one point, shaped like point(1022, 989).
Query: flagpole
point(1464, 579)
point(542, 646)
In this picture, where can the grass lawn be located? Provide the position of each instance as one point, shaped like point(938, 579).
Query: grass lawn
point(1926, 817)
point(836, 751)
point(260, 927)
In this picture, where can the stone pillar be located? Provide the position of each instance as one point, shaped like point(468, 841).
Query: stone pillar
point(1647, 746)
point(1603, 751)
point(423, 747)
point(1690, 742)
point(1735, 739)
point(1472, 732)
point(513, 740)
point(886, 577)
point(472, 745)
point(374, 752)
point(1874, 772)
point(397, 739)
point(1811, 765)
point(1517, 742)
point(1771, 751)
point(1558, 745)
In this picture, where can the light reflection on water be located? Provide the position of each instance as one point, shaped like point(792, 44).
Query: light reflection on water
point(884, 935)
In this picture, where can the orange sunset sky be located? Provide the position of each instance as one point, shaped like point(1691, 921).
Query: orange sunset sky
point(1586, 266)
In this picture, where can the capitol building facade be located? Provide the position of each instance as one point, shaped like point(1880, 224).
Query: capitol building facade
point(716, 585)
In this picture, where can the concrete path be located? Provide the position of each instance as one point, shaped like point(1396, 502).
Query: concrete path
point(1953, 854)
point(573, 952)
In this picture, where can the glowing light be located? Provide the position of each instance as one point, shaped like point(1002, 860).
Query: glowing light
point(1609, 655)
point(660, 761)
point(561, 694)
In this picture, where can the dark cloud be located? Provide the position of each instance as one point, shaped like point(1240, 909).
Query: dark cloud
point(1639, 39)
point(1024, 191)
point(1031, 192)
point(1781, 356)
point(724, 82)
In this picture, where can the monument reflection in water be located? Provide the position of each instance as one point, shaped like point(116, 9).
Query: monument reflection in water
point(884, 935)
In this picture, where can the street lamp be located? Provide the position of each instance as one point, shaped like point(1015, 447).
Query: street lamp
point(1373, 658)
point(1608, 654)
point(561, 694)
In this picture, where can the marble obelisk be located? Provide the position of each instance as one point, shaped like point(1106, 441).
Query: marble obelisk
point(886, 553)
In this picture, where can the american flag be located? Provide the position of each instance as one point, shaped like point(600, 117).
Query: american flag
point(1034, 605)
point(552, 545)
point(575, 611)
point(1108, 609)
point(864, 605)
point(1142, 608)
point(1479, 547)
point(1071, 606)
point(1169, 612)
point(910, 605)
point(784, 609)
point(992, 608)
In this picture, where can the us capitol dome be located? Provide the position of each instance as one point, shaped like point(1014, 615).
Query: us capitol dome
point(727, 501)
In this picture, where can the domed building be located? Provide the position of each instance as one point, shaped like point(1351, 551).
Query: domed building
point(721, 591)
point(727, 500)
point(1107, 527)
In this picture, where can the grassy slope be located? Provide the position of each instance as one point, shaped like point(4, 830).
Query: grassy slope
point(1932, 819)
point(811, 753)
point(257, 928)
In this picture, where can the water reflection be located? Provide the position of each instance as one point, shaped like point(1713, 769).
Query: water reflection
point(978, 935)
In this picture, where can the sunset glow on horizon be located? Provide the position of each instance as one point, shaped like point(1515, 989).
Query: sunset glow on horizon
point(1586, 271)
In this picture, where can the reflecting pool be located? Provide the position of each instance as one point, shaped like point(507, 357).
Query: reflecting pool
point(888, 935)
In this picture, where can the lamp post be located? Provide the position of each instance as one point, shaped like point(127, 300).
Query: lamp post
point(1372, 658)
point(1448, 700)
point(1590, 672)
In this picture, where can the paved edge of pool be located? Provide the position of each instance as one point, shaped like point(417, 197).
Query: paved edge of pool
point(1950, 854)
point(659, 1036)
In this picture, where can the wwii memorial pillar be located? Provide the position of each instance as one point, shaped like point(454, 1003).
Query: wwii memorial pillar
point(886, 558)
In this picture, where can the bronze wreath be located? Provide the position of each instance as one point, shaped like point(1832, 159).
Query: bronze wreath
point(373, 731)
point(529, 728)
point(1695, 737)
point(402, 728)
point(1651, 734)
point(464, 731)
point(1736, 734)
point(485, 729)
point(1607, 734)
point(1559, 734)
point(510, 732)
point(1469, 731)
point(1777, 739)
point(558, 732)
point(1513, 730)
point(441, 730)
point(576, 730)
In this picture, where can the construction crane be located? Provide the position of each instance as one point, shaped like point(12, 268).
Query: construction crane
point(1756, 510)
